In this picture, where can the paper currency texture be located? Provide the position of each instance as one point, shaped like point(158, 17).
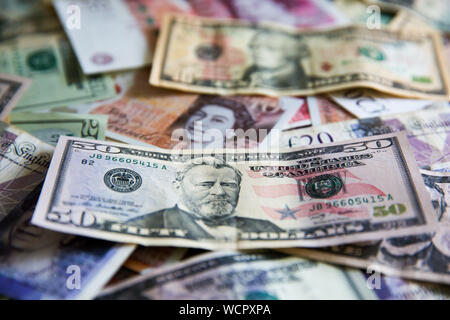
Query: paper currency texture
point(230, 57)
point(251, 276)
point(24, 161)
point(330, 194)
point(427, 133)
point(424, 256)
point(50, 126)
point(36, 263)
point(11, 90)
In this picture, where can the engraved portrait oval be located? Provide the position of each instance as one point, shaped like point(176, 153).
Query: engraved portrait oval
point(209, 52)
point(324, 186)
point(122, 180)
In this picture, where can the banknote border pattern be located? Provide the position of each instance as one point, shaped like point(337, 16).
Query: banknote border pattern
point(412, 225)
point(158, 78)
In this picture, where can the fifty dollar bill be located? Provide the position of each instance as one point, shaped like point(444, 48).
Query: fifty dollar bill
point(327, 195)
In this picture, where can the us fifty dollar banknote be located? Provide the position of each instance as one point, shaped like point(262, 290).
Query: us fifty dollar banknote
point(215, 199)
point(229, 57)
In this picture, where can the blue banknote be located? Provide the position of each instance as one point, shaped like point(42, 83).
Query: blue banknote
point(36, 263)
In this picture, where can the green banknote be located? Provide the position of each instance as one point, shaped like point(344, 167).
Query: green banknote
point(50, 126)
point(57, 78)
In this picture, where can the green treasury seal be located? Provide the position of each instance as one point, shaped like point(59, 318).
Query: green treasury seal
point(324, 186)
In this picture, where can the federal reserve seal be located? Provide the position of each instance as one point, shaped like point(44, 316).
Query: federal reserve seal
point(324, 186)
point(122, 180)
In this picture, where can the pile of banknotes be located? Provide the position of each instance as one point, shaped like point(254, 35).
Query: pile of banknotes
point(225, 149)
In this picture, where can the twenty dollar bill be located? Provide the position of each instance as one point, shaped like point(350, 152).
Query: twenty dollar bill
point(57, 78)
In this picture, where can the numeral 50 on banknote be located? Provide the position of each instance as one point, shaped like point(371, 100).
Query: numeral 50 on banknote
point(357, 190)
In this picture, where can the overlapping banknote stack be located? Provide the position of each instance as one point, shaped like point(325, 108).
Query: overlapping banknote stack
point(244, 149)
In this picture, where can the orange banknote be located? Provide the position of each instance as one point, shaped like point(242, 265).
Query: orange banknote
point(323, 111)
point(150, 115)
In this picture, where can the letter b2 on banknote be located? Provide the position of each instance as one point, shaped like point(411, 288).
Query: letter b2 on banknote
point(357, 190)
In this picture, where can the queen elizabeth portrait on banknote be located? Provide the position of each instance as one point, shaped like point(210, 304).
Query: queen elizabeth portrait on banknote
point(210, 119)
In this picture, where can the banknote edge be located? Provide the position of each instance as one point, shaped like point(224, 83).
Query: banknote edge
point(163, 43)
point(24, 85)
point(362, 263)
point(53, 176)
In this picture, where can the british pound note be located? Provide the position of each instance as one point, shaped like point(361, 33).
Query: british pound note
point(24, 161)
point(365, 103)
point(323, 111)
point(302, 14)
point(434, 11)
point(427, 133)
point(144, 115)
